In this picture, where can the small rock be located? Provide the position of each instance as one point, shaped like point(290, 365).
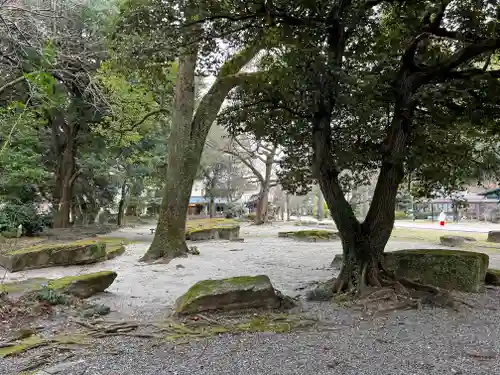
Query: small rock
point(86, 285)
point(236, 250)
point(193, 250)
point(239, 239)
point(178, 266)
point(323, 292)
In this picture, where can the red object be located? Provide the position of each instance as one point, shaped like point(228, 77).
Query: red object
point(441, 223)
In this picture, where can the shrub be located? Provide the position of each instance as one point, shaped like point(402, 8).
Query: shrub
point(11, 215)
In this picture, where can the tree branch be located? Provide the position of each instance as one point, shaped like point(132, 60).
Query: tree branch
point(247, 162)
point(12, 83)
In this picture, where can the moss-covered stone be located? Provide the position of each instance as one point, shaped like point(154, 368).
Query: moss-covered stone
point(492, 277)
point(84, 286)
point(494, 236)
point(20, 346)
point(229, 294)
point(81, 286)
point(41, 256)
point(224, 233)
point(450, 269)
point(455, 241)
point(114, 251)
point(312, 235)
point(212, 229)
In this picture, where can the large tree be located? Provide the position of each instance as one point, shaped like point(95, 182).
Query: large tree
point(389, 89)
point(190, 123)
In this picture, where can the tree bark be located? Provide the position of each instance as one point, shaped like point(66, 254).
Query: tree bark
point(169, 240)
point(65, 179)
point(212, 207)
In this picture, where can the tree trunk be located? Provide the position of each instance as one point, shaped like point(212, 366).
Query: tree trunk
point(65, 179)
point(363, 243)
point(212, 207)
point(121, 205)
point(170, 236)
point(188, 133)
point(261, 209)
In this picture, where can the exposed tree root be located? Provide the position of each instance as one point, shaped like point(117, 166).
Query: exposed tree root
point(378, 290)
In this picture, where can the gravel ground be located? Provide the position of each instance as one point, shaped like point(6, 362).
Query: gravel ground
point(432, 341)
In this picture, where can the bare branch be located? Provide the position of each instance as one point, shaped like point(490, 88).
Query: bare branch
point(12, 83)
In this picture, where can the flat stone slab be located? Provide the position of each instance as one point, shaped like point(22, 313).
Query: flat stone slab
point(222, 232)
point(233, 293)
point(49, 255)
point(82, 286)
point(61, 254)
point(449, 269)
point(311, 235)
point(454, 241)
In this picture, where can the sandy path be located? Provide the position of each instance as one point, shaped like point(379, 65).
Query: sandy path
point(149, 289)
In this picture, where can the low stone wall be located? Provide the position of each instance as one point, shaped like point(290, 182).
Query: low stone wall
point(312, 235)
point(217, 233)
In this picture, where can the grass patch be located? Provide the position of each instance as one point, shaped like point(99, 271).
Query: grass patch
point(266, 322)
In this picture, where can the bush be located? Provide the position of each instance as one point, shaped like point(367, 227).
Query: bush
point(11, 215)
point(400, 215)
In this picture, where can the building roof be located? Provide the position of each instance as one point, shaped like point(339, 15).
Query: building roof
point(470, 198)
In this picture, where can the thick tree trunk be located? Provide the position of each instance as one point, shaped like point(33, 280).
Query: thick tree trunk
point(261, 210)
point(170, 236)
point(64, 186)
point(363, 243)
point(185, 145)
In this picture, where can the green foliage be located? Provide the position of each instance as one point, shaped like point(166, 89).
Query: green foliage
point(13, 215)
point(51, 296)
